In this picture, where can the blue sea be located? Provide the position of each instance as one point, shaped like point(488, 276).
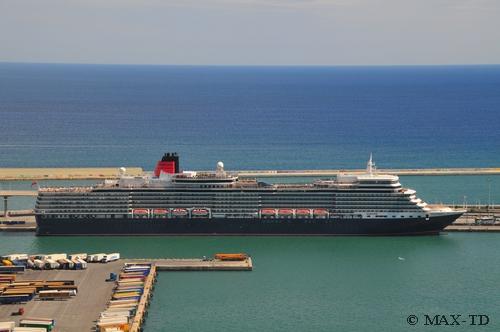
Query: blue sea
point(249, 117)
point(276, 118)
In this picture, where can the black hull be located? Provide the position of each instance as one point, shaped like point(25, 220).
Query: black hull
point(434, 225)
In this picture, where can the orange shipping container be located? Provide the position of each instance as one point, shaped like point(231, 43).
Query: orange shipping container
point(231, 257)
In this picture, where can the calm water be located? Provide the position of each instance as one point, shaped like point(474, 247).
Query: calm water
point(309, 283)
point(271, 118)
point(249, 117)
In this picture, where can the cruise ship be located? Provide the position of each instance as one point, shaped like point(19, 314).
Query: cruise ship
point(170, 201)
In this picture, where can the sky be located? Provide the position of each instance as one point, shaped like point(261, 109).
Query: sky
point(251, 32)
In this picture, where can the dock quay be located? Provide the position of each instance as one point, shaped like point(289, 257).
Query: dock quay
point(77, 313)
point(96, 173)
point(177, 264)
point(18, 223)
point(473, 228)
point(144, 302)
point(97, 295)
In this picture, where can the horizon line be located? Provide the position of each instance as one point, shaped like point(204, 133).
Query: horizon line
point(246, 65)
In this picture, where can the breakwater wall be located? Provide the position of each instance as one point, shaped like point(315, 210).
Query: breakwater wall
point(84, 173)
point(94, 173)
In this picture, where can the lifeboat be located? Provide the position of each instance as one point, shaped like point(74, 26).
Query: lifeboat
point(268, 212)
point(285, 212)
point(140, 212)
point(303, 212)
point(180, 212)
point(320, 212)
point(160, 212)
point(199, 212)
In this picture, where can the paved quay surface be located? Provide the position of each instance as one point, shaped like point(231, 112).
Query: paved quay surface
point(80, 312)
point(183, 264)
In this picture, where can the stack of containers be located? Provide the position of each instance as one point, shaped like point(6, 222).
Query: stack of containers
point(24, 291)
point(14, 292)
point(126, 296)
point(15, 259)
point(6, 279)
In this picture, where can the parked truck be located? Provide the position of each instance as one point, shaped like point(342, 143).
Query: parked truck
point(39, 264)
point(29, 329)
point(50, 264)
point(83, 256)
point(110, 257)
point(80, 264)
point(15, 257)
point(55, 294)
point(15, 298)
point(46, 323)
point(95, 258)
point(56, 257)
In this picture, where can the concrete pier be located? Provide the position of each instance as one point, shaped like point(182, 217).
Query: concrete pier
point(144, 302)
point(182, 264)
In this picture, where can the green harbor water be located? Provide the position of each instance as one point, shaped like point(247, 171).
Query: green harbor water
point(310, 283)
